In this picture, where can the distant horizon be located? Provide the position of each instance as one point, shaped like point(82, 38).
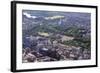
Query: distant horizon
point(45, 13)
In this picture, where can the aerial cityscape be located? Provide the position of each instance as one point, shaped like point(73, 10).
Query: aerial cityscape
point(55, 36)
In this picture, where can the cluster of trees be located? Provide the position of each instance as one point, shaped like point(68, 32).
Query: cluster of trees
point(78, 33)
point(80, 38)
